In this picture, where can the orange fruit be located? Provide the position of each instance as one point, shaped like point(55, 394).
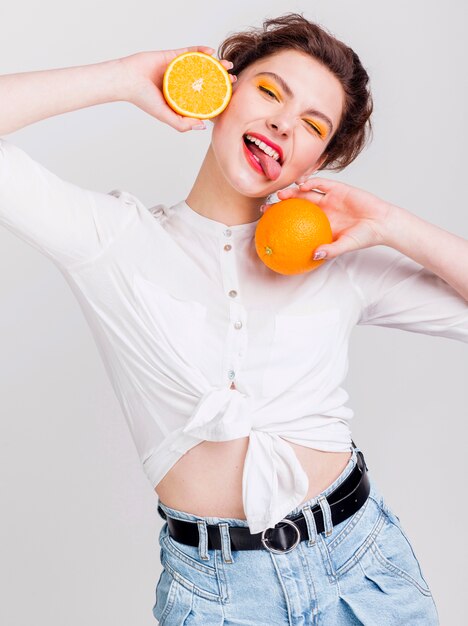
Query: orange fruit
point(288, 233)
point(196, 85)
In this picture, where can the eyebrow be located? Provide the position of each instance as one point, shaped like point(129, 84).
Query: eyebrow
point(287, 89)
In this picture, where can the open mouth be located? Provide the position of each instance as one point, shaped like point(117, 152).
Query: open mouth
point(262, 157)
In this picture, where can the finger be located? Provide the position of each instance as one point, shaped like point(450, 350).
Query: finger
point(172, 54)
point(290, 192)
point(205, 49)
point(181, 123)
point(302, 188)
point(323, 184)
point(335, 249)
point(227, 64)
point(314, 195)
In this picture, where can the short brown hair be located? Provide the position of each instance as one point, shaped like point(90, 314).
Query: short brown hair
point(293, 31)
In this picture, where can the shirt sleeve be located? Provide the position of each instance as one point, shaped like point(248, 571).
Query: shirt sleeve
point(397, 292)
point(67, 223)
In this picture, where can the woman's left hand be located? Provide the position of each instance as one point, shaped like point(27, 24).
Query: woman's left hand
point(357, 217)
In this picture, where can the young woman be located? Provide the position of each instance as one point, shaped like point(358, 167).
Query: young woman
point(228, 373)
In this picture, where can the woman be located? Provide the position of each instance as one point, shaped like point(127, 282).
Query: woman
point(229, 374)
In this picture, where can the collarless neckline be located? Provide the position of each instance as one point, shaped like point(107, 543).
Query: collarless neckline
point(208, 225)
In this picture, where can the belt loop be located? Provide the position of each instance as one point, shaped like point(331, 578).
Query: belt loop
point(311, 525)
point(326, 512)
point(225, 542)
point(203, 540)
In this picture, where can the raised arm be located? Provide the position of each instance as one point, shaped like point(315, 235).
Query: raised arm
point(70, 224)
point(29, 97)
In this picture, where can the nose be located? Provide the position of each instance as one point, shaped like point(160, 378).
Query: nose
point(279, 125)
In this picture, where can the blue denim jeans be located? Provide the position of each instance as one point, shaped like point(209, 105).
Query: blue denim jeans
point(362, 571)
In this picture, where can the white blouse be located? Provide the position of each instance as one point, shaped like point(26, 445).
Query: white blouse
point(201, 341)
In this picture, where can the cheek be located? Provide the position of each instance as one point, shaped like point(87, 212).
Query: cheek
point(304, 161)
point(223, 143)
point(308, 153)
point(243, 109)
point(229, 126)
point(226, 123)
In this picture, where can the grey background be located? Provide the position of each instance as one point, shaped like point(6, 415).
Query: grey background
point(78, 521)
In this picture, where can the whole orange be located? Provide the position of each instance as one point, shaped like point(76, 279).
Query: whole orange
point(288, 233)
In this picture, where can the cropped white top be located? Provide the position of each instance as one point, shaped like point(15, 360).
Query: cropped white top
point(201, 341)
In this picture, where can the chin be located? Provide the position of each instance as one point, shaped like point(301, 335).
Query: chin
point(251, 189)
point(249, 184)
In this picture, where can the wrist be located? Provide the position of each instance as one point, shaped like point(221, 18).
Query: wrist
point(389, 223)
point(105, 81)
point(123, 79)
point(129, 76)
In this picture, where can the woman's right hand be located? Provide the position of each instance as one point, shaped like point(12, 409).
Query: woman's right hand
point(145, 72)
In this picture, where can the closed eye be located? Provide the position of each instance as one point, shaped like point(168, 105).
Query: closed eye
point(315, 127)
point(270, 93)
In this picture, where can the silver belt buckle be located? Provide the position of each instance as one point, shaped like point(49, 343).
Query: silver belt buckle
point(275, 550)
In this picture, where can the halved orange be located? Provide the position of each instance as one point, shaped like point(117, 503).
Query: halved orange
point(196, 85)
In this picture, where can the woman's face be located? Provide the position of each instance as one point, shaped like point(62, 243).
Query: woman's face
point(292, 102)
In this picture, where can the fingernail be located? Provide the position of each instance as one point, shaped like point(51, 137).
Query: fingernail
point(263, 207)
point(320, 254)
point(200, 126)
point(231, 65)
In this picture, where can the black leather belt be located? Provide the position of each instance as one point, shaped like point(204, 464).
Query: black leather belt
point(344, 501)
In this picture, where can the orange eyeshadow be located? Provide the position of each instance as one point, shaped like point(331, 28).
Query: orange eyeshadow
point(268, 86)
point(321, 127)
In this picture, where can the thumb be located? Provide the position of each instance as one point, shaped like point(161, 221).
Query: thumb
point(332, 250)
point(181, 123)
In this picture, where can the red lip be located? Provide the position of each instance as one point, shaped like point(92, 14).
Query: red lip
point(270, 143)
point(251, 159)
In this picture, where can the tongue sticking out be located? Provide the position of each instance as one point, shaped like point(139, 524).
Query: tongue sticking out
point(271, 168)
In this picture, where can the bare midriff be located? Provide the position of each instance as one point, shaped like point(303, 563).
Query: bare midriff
point(207, 479)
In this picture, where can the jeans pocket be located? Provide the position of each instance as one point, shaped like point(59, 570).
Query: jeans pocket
point(393, 553)
point(183, 564)
point(345, 529)
point(173, 601)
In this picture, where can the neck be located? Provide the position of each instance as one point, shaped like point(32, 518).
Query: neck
point(213, 197)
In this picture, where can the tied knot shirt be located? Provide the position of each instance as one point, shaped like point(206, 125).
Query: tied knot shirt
point(201, 341)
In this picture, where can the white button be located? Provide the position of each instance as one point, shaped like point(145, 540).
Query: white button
point(233, 293)
point(227, 247)
point(227, 232)
point(231, 374)
point(238, 324)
